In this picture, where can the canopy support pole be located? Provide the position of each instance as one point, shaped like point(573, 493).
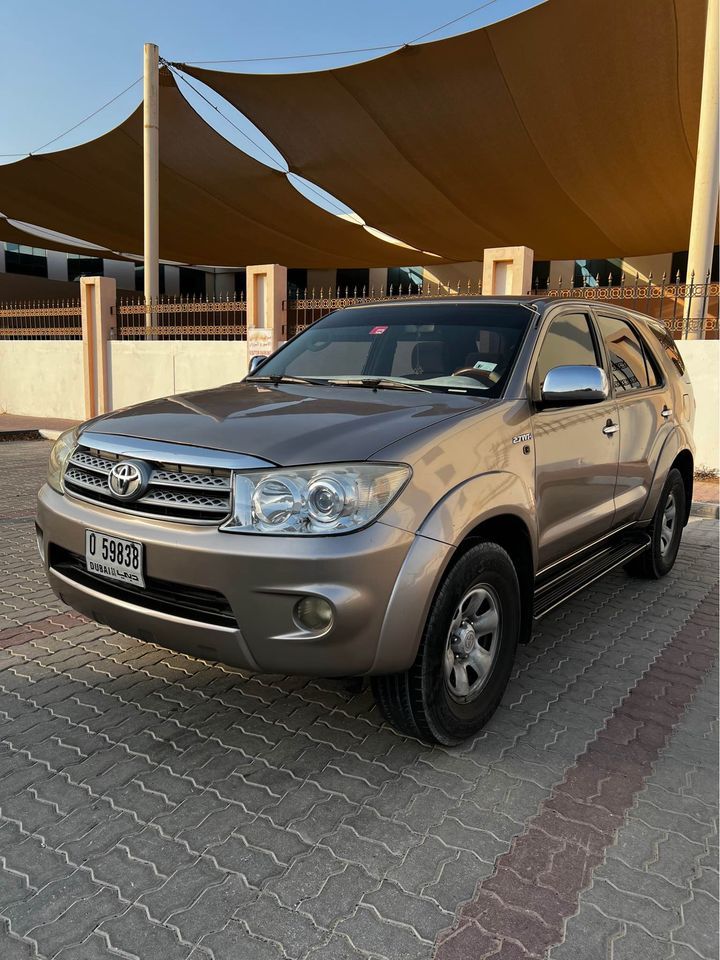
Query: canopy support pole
point(150, 178)
point(705, 196)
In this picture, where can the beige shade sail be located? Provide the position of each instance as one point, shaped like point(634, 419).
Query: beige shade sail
point(570, 128)
point(11, 233)
point(217, 204)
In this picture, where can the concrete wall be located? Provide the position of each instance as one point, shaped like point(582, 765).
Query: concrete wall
point(702, 358)
point(561, 270)
point(16, 286)
point(643, 267)
point(325, 280)
point(450, 274)
point(42, 378)
point(141, 370)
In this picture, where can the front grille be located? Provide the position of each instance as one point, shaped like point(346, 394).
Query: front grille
point(174, 492)
point(165, 596)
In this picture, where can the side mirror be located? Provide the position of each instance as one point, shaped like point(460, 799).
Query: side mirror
point(567, 386)
point(255, 363)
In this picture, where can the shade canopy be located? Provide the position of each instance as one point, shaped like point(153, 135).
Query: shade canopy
point(217, 204)
point(570, 128)
point(12, 233)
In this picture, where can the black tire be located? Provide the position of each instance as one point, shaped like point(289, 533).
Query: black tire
point(659, 560)
point(418, 702)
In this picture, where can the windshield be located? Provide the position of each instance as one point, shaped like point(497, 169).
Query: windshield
point(447, 347)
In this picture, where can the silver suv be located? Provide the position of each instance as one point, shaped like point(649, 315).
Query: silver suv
point(395, 493)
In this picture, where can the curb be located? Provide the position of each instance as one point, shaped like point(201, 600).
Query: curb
point(709, 511)
point(49, 434)
point(8, 436)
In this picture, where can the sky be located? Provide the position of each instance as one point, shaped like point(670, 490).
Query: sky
point(60, 61)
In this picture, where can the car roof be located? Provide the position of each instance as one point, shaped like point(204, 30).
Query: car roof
point(538, 303)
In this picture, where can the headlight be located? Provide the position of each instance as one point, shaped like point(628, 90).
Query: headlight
point(311, 501)
point(59, 456)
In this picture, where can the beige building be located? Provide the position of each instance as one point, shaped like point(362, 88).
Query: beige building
point(36, 273)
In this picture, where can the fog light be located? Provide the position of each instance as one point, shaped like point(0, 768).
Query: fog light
point(313, 613)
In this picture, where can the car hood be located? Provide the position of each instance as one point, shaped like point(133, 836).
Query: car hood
point(287, 424)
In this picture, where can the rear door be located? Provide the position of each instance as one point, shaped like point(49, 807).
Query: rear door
point(644, 410)
point(576, 448)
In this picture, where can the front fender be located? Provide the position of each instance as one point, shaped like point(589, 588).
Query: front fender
point(461, 510)
point(478, 499)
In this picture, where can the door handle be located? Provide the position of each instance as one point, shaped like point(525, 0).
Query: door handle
point(610, 428)
point(666, 412)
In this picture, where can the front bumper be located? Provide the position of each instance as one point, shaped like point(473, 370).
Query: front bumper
point(379, 581)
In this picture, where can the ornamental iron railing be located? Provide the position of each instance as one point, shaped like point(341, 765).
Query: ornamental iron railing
point(685, 308)
point(41, 320)
point(307, 306)
point(183, 318)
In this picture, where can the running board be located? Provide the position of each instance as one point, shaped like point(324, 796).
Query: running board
point(560, 587)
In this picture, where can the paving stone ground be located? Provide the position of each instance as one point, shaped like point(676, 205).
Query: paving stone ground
point(157, 807)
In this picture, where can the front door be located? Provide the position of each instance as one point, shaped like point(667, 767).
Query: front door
point(576, 448)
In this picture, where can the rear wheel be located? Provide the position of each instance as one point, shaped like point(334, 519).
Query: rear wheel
point(665, 531)
point(466, 652)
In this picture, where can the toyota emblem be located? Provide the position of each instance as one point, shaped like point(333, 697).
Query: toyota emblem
point(128, 479)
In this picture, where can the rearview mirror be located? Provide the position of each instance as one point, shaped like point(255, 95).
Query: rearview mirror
point(566, 386)
point(254, 364)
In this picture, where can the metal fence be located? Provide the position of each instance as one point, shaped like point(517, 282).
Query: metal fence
point(182, 318)
point(305, 307)
point(665, 300)
point(684, 307)
point(41, 320)
point(192, 318)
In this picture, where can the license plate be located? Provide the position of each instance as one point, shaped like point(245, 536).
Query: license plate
point(114, 558)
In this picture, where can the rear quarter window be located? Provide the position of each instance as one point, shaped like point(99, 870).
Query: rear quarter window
point(668, 345)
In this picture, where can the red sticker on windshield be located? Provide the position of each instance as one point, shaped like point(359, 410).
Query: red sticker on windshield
point(376, 330)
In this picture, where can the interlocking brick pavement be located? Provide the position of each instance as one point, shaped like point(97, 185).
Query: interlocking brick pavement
point(160, 807)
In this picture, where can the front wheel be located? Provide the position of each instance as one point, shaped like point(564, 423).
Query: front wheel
point(665, 531)
point(466, 652)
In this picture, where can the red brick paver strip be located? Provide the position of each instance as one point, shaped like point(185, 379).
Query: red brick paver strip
point(519, 911)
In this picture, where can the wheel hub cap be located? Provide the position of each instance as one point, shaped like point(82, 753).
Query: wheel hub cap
point(472, 643)
point(667, 526)
point(464, 640)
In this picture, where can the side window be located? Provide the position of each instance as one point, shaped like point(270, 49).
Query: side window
point(660, 332)
point(626, 354)
point(567, 342)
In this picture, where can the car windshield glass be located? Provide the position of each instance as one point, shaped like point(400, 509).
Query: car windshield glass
point(466, 347)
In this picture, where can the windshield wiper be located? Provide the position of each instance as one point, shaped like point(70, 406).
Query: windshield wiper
point(285, 378)
point(378, 383)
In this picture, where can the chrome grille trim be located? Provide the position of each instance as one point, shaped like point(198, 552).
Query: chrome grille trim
point(161, 451)
point(196, 481)
point(99, 464)
point(187, 501)
point(86, 480)
point(187, 484)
